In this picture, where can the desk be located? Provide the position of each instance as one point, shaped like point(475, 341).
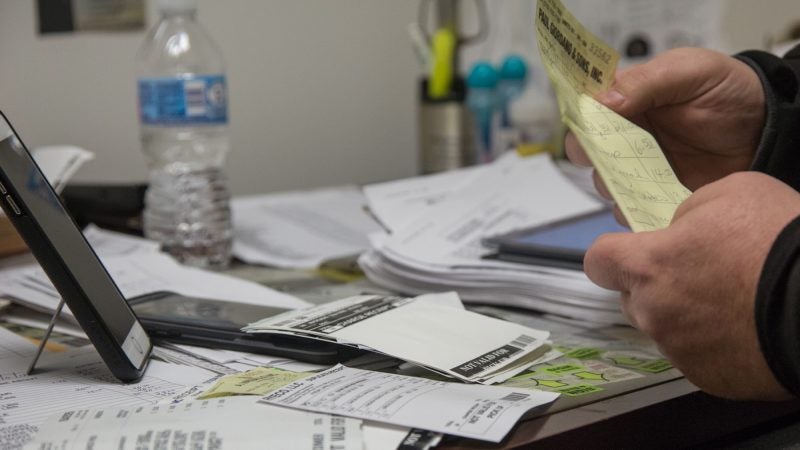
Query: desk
point(663, 411)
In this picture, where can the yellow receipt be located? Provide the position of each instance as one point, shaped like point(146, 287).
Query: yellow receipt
point(258, 381)
point(627, 157)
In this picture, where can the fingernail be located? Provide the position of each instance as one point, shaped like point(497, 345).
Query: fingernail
point(612, 98)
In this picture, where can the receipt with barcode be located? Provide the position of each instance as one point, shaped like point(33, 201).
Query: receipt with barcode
point(468, 410)
point(433, 331)
point(226, 423)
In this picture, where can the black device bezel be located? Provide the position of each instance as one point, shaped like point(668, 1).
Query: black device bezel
point(298, 348)
point(62, 276)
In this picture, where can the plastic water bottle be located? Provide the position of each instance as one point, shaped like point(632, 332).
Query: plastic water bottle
point(482, 102)
point(184, 115)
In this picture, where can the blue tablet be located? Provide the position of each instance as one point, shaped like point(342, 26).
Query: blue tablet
point(559, 244)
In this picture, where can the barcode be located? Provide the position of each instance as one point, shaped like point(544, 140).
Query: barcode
point(523, 341)
point(337, 429)
point(515, 397)
point(194, 92)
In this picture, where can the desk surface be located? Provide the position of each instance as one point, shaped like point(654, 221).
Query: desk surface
point(662, 410)
point(659, 410)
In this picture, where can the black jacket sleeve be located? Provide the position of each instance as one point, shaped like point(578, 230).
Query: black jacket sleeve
point(777, 308)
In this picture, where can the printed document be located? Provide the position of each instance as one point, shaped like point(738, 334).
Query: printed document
point(473, 411)
point(627, 157)
point(421, 330)
point(222, 424)
point(77, 379)
point(301, 229)
point(395, 203)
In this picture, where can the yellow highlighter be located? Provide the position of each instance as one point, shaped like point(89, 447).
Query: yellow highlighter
point(441, 77)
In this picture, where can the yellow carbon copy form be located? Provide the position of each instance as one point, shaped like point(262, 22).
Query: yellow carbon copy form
point(627, 157)
point(258, 381)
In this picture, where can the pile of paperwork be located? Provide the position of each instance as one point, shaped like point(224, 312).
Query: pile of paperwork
point(438, 224)
point(432, 331)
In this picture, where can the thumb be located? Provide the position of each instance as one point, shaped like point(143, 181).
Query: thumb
point(614, 259)
point(673, 77)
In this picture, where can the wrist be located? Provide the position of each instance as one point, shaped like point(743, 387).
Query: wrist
point(777, 308)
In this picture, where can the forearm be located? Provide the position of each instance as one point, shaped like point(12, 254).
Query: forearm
point(778, 152)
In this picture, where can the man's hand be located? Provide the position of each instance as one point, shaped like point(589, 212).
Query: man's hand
point(705, 109)
point(692, 286)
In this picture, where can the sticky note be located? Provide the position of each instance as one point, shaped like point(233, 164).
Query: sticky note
point(628, 158)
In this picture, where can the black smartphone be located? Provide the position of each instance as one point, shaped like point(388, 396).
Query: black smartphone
point(69, 261)
point(560, 244)
point(171, 317)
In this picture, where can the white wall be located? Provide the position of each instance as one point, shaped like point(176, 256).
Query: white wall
point(322, 91)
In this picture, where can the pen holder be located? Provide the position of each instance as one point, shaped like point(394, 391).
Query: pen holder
point(446, 131)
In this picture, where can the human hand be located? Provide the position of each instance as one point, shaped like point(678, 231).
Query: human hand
point(691, 287)
point(705, 109)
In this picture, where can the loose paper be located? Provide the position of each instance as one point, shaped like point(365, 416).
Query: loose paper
point(258, 381)
point(231, 423)
point(627, 157)
point(425, 330)
point(468, 410)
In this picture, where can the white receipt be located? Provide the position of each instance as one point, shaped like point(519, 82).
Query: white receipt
point(228, 423)
point(468, 410)
point(424, 330)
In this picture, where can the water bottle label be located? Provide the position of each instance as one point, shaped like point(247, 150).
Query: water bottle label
point(183, 101)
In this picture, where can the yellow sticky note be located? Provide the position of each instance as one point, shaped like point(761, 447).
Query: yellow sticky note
point(258, 381)
point(627, 157)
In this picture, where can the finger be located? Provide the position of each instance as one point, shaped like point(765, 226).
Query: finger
point(600, 186)
point(611, 261)
point(665, 80)
point(621, 219)
point(575, 151)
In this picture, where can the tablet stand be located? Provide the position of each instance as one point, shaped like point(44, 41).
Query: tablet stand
point(46, 337)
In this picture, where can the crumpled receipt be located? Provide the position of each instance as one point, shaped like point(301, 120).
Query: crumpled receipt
point(628, 158)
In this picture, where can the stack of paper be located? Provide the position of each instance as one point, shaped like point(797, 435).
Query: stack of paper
point(432, 331)
point(438, 224)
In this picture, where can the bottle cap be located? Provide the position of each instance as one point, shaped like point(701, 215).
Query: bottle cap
point(177, 5)
point(482, 75)
point(514, 68)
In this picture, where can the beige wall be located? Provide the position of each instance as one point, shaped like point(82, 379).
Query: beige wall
point(322, 91)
